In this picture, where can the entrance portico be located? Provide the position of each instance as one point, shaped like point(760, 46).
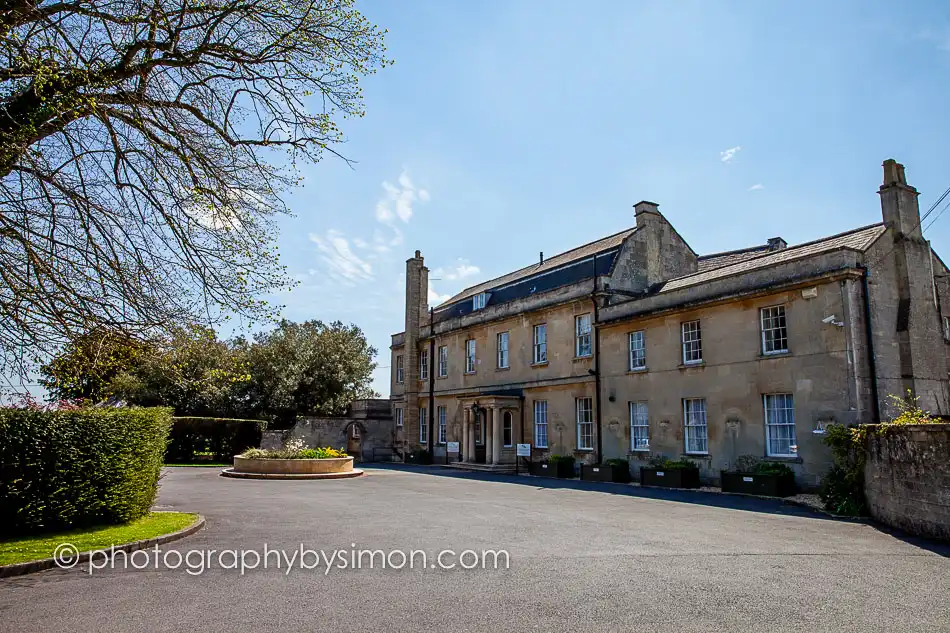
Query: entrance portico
point(489, 428)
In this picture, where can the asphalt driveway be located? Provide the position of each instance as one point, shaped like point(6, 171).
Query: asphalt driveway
point(582, 558)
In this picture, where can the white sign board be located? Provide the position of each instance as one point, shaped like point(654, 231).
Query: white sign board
point(524, 450)
point(453, 447)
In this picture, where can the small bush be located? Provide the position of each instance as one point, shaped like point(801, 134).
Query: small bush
point(661, 462)
point(419, 456)
point(842, 488)
point(773, 468)
point(618, 463)
point(293, 452)
point(561, 459)
point(71, 469)
point(222, 437)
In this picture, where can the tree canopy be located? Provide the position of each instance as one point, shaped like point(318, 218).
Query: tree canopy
point(294, 369)
point(144, 151)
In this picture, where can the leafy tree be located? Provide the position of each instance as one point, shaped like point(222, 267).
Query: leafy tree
point(191, 371)
point(144, 151)
point(308, 368)
point(88, 364)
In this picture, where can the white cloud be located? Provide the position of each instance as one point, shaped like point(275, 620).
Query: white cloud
point(435, 298)
point(757, 187)
point(341, 261)
point(398, 200)
point(728, 155)
point(461, 270)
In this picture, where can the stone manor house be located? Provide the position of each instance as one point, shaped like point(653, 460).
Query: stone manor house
point(635, 345)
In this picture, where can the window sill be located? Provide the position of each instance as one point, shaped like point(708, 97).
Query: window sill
point(640, 450)
point(783, 458)
point(543, 363)
point(580, 358)
point(442, 377)
point(705, 455)
point(699, 363)
point(638, 370)
point(583, 450)
point(468, 373)
point(502, 368)
point(764, 355)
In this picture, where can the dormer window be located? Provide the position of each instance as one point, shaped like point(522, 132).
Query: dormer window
point(479, 301)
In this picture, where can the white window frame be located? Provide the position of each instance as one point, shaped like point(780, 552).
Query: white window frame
point(772, 319)
point(691, 337)
point(501, 343)
point(695, 426)
point(583, 346)
point(399, 417)
point(443, 361)
point(480, 430)
point(479, 301)
point(540, 423)
point(355, 432)
point(946, 328)
point(423, 426)
point(539, 347)
point(440, 415)
point(779, 417)
point(632, 337)
point(639, 426)
point(584, 416)
point(470, 356)
point(507, 421)
point(423, 364)
point(400, 370)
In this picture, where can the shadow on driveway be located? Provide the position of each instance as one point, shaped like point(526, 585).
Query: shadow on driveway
point(711, 499)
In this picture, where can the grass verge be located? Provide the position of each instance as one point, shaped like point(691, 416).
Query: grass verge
point(21, 550)
point(200, 465)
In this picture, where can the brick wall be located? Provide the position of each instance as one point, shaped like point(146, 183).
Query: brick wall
point(907, 478)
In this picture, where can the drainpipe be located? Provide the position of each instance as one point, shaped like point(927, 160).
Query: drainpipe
point(431, 371)
point(596, 370)
point(872, 366)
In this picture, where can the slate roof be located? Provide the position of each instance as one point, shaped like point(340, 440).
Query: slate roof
point(717, 260)
point(550, 264)
point(858, 239)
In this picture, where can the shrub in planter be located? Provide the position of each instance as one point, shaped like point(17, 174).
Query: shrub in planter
point(613, 470)
point(222, 437)
point(752, 476)
point(561, 466)
point(667, 473)
point(71, 469)
point(419, 456)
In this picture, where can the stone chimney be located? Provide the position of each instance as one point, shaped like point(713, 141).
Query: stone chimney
point(777, 244)
point(899, 202)
point(662, 253)
point(417, 316)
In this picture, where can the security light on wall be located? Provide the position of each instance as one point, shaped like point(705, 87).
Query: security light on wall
point(830, 320)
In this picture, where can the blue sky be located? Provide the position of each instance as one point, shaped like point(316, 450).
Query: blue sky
point(508, 128)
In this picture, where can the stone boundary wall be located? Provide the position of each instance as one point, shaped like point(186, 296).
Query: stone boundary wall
point(907, 478)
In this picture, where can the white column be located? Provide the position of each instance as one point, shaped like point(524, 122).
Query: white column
point(489, 435)
point(463, 441)
point(470, 455)
point(497, 436)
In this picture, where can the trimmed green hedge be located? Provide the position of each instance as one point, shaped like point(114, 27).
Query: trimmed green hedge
point(223, 437)
point(65, 469)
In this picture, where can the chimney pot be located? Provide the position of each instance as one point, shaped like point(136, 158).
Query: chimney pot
point(542, 256)
point(418, 254)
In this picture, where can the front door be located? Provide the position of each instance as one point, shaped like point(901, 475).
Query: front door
point(480, 438)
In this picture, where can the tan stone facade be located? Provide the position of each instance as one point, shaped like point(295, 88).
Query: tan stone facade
point(750, 352)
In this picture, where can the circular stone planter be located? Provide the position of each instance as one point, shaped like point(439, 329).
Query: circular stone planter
point(332, 468)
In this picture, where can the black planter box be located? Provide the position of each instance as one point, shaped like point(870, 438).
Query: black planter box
point(756, 484)
point(670, 477)
point(615, 474)
point(564, 470)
